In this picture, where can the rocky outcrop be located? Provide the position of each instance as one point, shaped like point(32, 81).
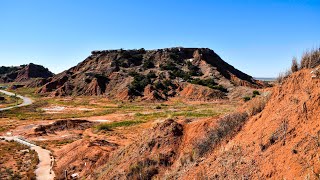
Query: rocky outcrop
point(24, 73)
point(149, 75)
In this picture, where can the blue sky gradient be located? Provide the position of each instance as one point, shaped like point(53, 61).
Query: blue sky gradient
point(259, 37)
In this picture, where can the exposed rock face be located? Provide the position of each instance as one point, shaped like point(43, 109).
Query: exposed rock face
point(23, 73)
point(150, 75)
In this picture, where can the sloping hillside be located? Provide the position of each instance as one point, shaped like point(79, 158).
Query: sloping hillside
point(150, 75)
point(281, 142)
point(23, 73)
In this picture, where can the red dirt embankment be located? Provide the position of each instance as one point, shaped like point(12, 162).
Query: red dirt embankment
point(281, 142)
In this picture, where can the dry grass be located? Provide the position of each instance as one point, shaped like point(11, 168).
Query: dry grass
point(257, 104)
point(310, 58)
point(9, 101)
point(15, 163)
point(227, 126)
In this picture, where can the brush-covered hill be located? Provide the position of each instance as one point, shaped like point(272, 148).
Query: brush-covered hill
point(23, 73)
point(193, 73)
point(276, 135)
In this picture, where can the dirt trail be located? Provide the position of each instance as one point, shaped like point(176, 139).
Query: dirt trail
point(44, 168)
point(26, 101)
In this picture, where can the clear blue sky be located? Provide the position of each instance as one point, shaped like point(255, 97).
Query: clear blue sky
point(259, 37)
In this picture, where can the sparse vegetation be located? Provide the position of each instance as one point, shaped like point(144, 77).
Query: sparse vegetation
point(257, 104)
point(35, 111)
point(16, 168)
point(143, 170)
point(147, 64)
point(110, 126)
point(194, 70)
point(311, 58)
point(9, 100)
point(227, 126)
point(138, 84)
point(209, 83)
point(169, 65)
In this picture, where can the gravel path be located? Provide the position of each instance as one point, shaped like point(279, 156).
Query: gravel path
point(46, 160)
point(44, 168)
point(26, 101)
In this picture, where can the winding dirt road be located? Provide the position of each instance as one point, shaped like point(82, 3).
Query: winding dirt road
point(26, 101)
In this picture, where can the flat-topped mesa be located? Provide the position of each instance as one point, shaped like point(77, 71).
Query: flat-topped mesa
point(149, 74)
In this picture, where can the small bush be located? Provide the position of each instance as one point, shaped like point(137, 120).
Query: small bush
point(168, 66)
point(151, 75)
point(246, 98)
point(148, 64)
point(255, 92)
point(294, 65)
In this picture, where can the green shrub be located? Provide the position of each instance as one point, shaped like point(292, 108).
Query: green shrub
point(204, 82)
point(255, 92)
point(148, 64)
point(220, 88)
point(209, 83)
point(151, 75)
point(246, 98)
point(194, 70)
point(168, 66)
point(138, 84)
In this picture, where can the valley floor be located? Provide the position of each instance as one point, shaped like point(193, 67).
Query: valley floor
point(274, 135)
point(112, 125)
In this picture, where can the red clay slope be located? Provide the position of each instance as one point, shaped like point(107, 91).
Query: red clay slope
point(281, 142)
